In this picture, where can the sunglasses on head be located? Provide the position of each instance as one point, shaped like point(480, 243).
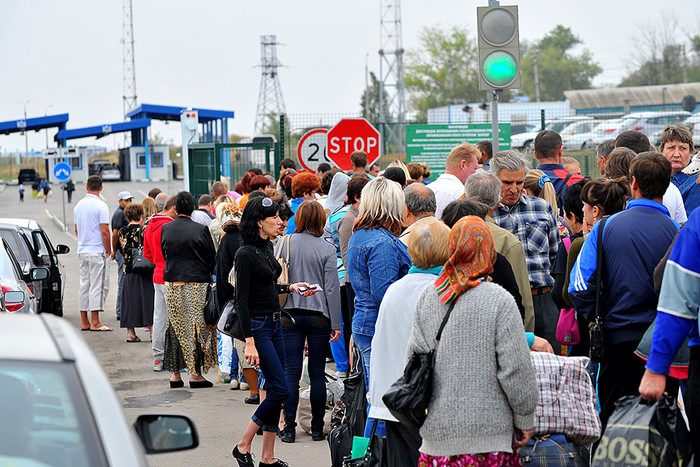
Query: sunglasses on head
point(267, 202)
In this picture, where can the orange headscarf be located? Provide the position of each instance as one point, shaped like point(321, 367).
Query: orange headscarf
point(473, 255)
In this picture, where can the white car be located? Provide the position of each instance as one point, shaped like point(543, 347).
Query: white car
point(693, 124)
point(651, 122)
point(576, 136)
point(110, 173)
point(525, 141)
point(59, 409)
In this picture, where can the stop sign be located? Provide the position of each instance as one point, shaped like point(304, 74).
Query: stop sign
point(353, 134)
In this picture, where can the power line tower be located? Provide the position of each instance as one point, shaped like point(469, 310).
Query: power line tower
point(129, 64)
point(270, 99)
point(391, 71)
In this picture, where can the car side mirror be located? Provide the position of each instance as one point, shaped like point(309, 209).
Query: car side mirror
point(166, 433)
point(14, 297)
point(39, 274)
point(62, 249)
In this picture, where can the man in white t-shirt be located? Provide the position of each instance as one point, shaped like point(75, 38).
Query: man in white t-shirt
point(460, 164)
point(91, 216)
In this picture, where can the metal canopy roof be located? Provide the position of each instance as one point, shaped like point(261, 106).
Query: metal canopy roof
point(632, 96)
point(38, 123)
point(172, 113)
point(103, 130)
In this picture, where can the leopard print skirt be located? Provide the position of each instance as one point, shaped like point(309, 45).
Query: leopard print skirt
point(189, 341)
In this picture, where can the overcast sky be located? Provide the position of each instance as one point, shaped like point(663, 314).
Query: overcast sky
point(67, 56)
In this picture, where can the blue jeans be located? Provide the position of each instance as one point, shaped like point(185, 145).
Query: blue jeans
point(340, 355)
point(364, 343)
point(269, 342)
point(316, 331)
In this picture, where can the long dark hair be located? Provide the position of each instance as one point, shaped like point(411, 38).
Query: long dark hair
point(255, 211)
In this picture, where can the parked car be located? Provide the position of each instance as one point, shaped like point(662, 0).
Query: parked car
point(96, 165)
point(606, 129)
point(110, 173)
point(27, 175)
point(516, 129)
point(33, 248)
point(575, 136)
point(59, 408)
point(693, 123)
point(651, 122)
point(10, 298)
point(524, 141)
point(13, 279)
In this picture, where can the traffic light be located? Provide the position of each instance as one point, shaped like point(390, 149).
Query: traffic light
point(499, 47)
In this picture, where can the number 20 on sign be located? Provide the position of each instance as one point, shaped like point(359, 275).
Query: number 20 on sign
point(311, 150)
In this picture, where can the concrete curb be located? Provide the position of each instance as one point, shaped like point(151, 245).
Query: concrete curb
point(56, 221)
point(2, 188)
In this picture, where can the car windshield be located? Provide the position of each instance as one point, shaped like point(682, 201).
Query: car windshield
point(558, 126)
point(45, 417)
point(12, 240)
point(628, 122)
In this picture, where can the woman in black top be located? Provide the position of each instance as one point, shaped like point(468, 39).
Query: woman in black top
point(257, 303)
point(189, 263)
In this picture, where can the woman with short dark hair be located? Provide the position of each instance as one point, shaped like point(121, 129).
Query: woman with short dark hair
point(256, 272)
point(315, 319)
point(190, 257)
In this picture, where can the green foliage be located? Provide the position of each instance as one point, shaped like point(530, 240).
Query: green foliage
point(443, 70)
point(370, 102)
point(559, 69)
point(667, 67)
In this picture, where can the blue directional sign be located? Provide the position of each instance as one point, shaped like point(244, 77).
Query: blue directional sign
point(62, 171)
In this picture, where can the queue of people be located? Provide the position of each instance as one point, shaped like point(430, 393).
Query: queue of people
point(376, 261)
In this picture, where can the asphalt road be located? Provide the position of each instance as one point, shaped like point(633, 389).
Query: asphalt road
point(219, 413)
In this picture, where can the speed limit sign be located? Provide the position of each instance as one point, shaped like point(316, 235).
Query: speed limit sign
point(311, 150)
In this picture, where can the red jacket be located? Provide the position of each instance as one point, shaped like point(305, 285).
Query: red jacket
point(151, 245)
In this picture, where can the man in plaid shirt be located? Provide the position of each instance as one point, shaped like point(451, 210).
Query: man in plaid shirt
point(532, 221)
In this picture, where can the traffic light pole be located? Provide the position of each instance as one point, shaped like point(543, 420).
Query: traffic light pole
point(495, 94)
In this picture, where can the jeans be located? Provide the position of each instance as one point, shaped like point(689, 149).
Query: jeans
point(338, 348)
point(120, 273)
point(269, 342)
point(364, 343)
point(160, 320)
point(316, 331)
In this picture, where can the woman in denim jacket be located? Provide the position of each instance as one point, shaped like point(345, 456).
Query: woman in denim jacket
point(376, 259)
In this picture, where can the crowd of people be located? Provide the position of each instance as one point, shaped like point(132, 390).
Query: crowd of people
point(375, 260)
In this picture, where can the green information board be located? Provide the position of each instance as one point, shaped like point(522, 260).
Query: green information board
point(432, 143)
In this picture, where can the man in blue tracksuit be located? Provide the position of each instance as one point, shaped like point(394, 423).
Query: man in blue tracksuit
point(679, 308)
point(634, 241)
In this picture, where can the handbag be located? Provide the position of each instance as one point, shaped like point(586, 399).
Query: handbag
point(567, 326)
point(139, 264)
point(374, 455)
point(284, 262)
point(567, 402)
point(680, 362)
point(596, 329)
point(211, 309)
point(550, 450)
point(409, 397)
point(230, 323)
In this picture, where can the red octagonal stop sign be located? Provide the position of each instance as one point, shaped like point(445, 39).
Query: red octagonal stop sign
point(353, 134)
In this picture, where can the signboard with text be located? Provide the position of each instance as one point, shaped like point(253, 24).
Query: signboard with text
point(432, 143)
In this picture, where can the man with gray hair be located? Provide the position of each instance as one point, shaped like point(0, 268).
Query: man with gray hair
point(420, 205)
point(485, 188)
point(602, 152)
point(161, 199)
point(533, 222)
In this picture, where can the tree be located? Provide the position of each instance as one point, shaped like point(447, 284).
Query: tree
point(558, 69)
point(443, 70)
point(370, 101)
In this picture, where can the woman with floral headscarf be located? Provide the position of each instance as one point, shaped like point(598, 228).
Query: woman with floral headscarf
point(482, 362)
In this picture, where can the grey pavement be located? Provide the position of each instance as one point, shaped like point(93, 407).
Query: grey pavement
point(219, 413)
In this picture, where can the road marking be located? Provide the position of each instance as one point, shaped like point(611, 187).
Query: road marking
point(60, 225)
point(143, 193)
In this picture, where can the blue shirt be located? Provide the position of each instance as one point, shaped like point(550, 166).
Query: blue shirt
point(292, 224)
point(375, 260)
point(679, 301)
point(690, 190)
point(333, 221)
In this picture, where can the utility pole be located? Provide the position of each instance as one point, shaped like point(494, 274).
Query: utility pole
point(26, 137)
point(129, 61)
point(270, 99)
point(391, 76)
point(46, 113)
point(537, 77)
point(685, 66)
point(366, 115)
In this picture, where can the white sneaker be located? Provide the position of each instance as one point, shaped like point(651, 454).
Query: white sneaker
point(234, 384)
point(244, 386)
point(157, 365)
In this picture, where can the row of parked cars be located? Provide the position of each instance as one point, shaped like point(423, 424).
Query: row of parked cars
point(58, 407)
point(584, 132)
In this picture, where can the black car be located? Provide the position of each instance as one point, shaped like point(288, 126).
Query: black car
point(32, 247)
point(27, 175)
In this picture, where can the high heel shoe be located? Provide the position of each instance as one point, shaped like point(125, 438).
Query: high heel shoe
point(243, 459)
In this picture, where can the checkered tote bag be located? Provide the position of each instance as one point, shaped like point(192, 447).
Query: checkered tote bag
point(567, 401)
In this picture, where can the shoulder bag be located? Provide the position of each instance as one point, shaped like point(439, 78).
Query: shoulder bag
point(408, 398)
point(139, 263)
point(229, 322)
point(211, 309)
point(284, 262)
point(596, 329)
point(567, 326)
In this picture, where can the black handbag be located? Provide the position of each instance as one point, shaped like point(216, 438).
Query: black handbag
point(596, 329)
point(356, 396)
point(408, 398)
point(211, 309)
point(230, 323)
point(374, 456)
point(139, 264)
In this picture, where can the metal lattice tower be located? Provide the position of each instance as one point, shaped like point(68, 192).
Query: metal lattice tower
point(270, 99)
point(129, 64)
point(391, 71)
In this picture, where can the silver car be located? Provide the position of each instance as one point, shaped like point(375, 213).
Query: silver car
point(12, 279)
point(651, 122)
point(59, 409)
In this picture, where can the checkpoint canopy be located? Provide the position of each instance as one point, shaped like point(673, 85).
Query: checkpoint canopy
point(432, 143)
point(34, 124)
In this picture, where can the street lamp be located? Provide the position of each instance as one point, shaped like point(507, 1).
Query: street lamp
point(46, 113)
point(26, 136)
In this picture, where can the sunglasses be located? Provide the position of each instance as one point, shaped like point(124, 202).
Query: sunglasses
point(267, 202)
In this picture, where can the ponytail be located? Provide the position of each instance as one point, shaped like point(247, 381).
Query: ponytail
point(539, 184)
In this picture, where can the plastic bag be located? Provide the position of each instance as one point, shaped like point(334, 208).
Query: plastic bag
point(644, 434)
point(225, 350)
point(356, 397)
point(304, 411)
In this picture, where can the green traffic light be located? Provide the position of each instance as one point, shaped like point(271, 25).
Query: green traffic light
point(499, 69)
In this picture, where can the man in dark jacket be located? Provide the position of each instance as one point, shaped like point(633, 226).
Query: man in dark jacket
point(633, 242)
